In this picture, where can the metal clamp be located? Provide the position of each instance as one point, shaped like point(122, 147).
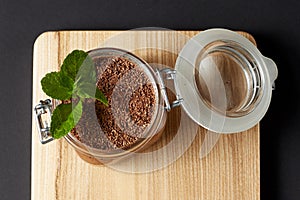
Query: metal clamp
point(43, 112)
point(168, 74)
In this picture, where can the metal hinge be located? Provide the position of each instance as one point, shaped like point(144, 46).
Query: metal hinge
point(273, 86)
point(43, 112)
point(168, 74)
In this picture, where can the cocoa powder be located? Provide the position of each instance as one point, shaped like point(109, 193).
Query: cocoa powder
point(131, 103)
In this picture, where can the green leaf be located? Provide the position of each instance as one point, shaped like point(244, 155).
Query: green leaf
point(87, 71)
point(101, 97)
point(86, 90)
point(57, 86)
point(76, 60)
point(64, 118)
point(89, 90)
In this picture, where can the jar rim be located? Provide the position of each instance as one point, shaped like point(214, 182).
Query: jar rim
point(227, 62)
point(155, 118)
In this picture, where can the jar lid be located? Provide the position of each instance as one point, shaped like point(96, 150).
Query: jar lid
point(225, 82)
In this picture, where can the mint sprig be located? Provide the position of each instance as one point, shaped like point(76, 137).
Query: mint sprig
point(76, 80)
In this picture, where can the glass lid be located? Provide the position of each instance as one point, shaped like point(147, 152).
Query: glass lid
point(224, 81)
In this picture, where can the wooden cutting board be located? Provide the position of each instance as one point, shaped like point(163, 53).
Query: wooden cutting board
point(230, 172)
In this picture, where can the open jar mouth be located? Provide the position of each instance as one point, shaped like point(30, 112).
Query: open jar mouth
point(226, 83)
point(158, 109)
point(228, 78)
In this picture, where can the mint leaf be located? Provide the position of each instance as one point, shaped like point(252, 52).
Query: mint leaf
point(87, 71)
point(64, 118)
point(101, 97)
point(85, 84)
point(89, 90)
point(57, 86)
point(86, 90)
point(74, 61)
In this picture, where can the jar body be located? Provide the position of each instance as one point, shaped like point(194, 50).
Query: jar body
point(152, 131)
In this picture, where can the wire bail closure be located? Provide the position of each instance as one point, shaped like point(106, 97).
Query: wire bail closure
point(43, 112)
point(168, 74)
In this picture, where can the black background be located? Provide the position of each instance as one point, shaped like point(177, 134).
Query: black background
point(274, 24)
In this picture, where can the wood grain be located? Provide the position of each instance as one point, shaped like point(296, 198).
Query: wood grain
point(230, 172)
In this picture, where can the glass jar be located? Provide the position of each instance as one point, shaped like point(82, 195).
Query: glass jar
point(153, 130)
